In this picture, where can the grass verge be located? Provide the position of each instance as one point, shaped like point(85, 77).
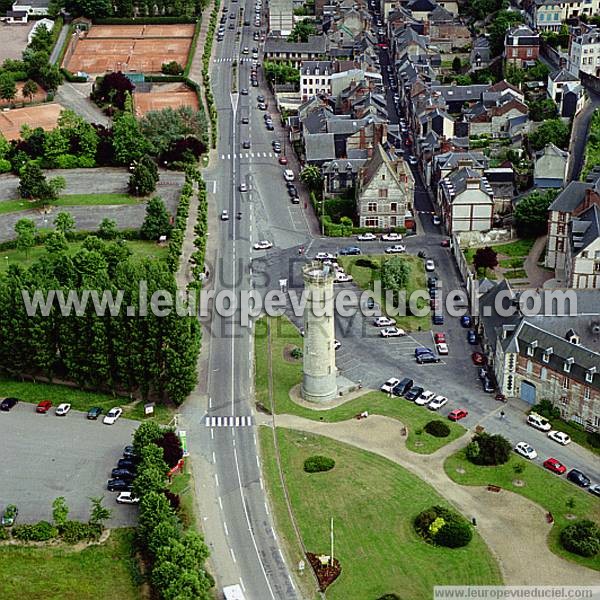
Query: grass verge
point(289, 374)
point(365, 276)
point(101, 572)
point(515, 274)
point(373, 503)
point(9, 206)
point(546, 489)
point(139, 248)
point(183, 486)
point(34, 392)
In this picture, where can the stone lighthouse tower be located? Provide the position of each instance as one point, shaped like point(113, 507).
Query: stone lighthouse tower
point(319, 371)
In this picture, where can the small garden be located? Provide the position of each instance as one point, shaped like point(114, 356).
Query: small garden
point(423, 435)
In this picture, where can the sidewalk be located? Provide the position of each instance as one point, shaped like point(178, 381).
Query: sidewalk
point(536, 275)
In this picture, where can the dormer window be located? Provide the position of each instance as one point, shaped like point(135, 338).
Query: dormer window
point(567, 364)
point(589, 374)
point(531, 348)
point(547, 354)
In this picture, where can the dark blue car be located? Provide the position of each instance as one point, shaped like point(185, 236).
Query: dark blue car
point(350, 251)
point(471, 337)
point(465, 321)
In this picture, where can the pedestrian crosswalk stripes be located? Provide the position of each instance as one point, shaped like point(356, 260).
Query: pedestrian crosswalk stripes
point(228, 421)
point(241, 59)
point(247, 155)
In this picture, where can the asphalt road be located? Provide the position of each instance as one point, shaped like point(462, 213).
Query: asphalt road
point(244, 547)
point(90, 181)
point(74, 461)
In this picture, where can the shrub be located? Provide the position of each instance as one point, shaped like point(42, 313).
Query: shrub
point(389, 597)
point(38, 532)
point(546, 409)
point(593, 439)
point(174, 500)
point(318, 464)
point(366, 263)
point(3, 533)
point(438, 429)
point(297, 353)
point(73, 532)
point(171, 68)
point(581, 538)
point(486, 449)
point(440, 526)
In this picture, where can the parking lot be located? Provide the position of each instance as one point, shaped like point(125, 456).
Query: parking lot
point(14, 40)
point(45, 456)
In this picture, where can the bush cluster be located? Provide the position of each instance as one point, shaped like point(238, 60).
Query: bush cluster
point(441, 526)
point(37, 532)
point(486, 449)
point(438, 429)
point(178, 230)
point(210, 101)
point(73, 532)
point(582, 537)
point(200, 231)
point(318, 464)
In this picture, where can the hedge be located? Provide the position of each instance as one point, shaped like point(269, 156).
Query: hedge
point(144, 20)
point(193, 45)
point(63, 50)
point(201, 229)
point(73, 78)
point(38, 532)
point(210, 102)
point(178, 231)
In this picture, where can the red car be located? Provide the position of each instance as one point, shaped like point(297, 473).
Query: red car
point(44, 406)
point(478, 358)
point(439, 337)
point(283, 160)
point(457, 414)
point(555, 466)
point(445, 244)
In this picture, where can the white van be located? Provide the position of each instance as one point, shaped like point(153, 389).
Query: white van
point(233, 592)
point(538, 422)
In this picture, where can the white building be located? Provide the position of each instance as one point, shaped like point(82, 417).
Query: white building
point(281, 17)
point(31, 7)
point(584, 54)
point(315, 78)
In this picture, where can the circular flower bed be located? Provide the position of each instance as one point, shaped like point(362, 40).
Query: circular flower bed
point(442, 527)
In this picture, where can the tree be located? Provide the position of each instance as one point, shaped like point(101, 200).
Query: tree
point(92, 9)
point(395, 273)
point(8, 87)
point(281, 72)
point(489, 449)
point(541, 110)
point(161, 536)
point(301, 31)
point(456, 64)
point(312, 178)
point(582, 537)
point(113, 89)
point(41, 40)
point(128, 141)
point(54, 187)
point(171, 68)
point(485, 258)
point(157, 222)
point(531, 213)
point(25, 230)
point(148, 432)
point(503, 20)
point(56, 242)
point(552, 131)
point(64, 223)
point(154, 510)
point(29, 89)
point(98, 513)
point(60, 511)
point(32, 181)
point(108, 229)
point(171, 447)
point(141, 182)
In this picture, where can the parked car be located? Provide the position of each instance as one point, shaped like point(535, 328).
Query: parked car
point(392, 332)
point(94, 413)
point(288, 175)
point(263, 245)
point(402, 386)
point(445, 243)
point(395, 249)
point(439, 337)
point(478, 358)
point(127, 498)
point(427, 358)
point(112, 415)
point(437, 318)
point(413, 393)
point(442, 348)
point(388, 386)
point(560, 437)
point(383, 322)
point(422, 350)
point(429, 265)
point(457, 414)
point(488, 386)
point(594, 489)
point(525, 450)
point(366, 237)
point(127, 463)
point(436, 220)
point(283, 160)
point(119, 485)
point(425, 398)
point(538, 422)
point(323, 256)
point(122, 474)
point(465, 321)
point(129, 452)
point(10, 515)
point(437, 402)
point(391, 237)
point(44, 406)
point(578, 477)
point(555, 466)
point(471, 337)
point(341, 277)
point(62, 409)
point(8, 403)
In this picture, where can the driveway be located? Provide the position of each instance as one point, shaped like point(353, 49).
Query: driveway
point(90, 181)
point(45, 456)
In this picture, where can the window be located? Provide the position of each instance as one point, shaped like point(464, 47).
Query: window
point(546, 357)
point(589, 376)
point(383, 192)
point(565, 383)
point(394, 207)
point(372, 222)
point(530, 350)
point(383, 177)
point(529, 51)
point(562, 217)
point(587, 393)
point(596, 421)
point(515, 52)
point(529, 366)
point(542, 15)
point(372, 207)
point(560, 229)
point(544, 374)
point(560, 245)
point(567, 366)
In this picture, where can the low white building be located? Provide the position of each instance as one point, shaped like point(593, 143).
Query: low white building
point(47, 23)
point(31, 7)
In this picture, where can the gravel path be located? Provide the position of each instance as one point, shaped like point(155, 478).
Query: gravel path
point(513, 527)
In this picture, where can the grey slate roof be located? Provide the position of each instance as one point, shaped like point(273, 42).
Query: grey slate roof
point(450, 160)
point(571, 197)
point(317, 44)
point(319, 146)
point(343, 165)
point(456, 182)
point(587, 225)
point(562, 75)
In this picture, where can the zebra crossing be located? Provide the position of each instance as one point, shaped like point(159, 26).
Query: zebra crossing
point(239, 59)
point(240, 421)
point(247, 155)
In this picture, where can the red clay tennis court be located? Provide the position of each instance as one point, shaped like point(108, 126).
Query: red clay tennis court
point(44, 116)
point(128, 48)
point(167, 96)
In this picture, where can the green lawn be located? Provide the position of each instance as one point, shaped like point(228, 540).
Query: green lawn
point(8, 206)
point(100, 572)
point(140, 249)
point(545, 488)
point(512, 263)
point(183, 485)
point(373, 503)
point(365, 276)
point(516, 274)
point(516, 248)
point(28, 391)
point(287, 374)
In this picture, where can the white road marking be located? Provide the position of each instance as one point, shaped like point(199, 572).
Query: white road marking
point(212, 434)
point(225, 528)
point(242, 584)
point(217, 479)
point(258, 462)
point(220, 502)
point(214, 458)
point(262, 485)
point(232, 555)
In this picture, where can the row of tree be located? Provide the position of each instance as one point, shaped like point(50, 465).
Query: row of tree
point(176, 557)
point(147, 356)
point(96, 9)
